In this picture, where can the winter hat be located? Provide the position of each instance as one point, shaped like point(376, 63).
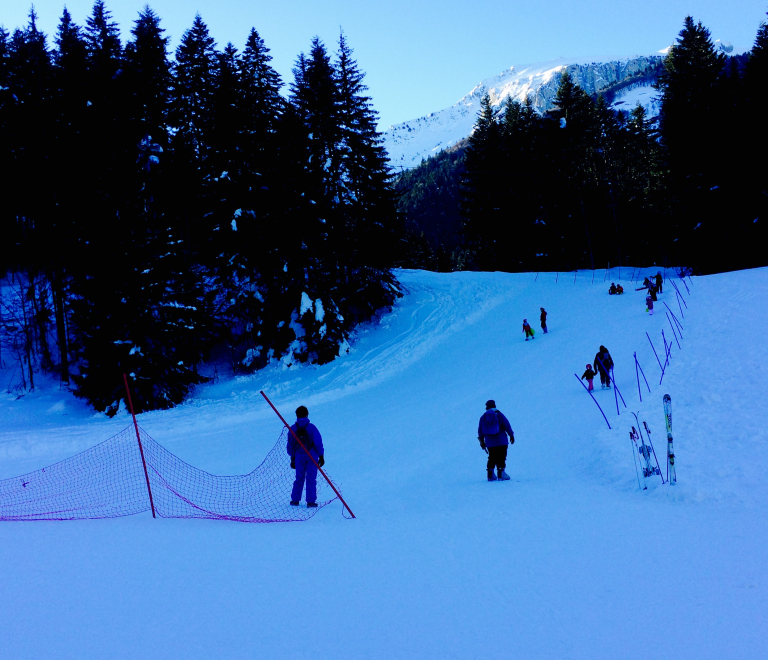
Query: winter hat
point(589, 366)
point(490, 404)
point(525, 320)
point(302, 411)
point(541, 308)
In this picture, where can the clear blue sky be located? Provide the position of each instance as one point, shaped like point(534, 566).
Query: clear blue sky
point(424, 55)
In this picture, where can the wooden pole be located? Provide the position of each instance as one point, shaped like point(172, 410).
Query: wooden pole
point(296, 437)
point(141, 449)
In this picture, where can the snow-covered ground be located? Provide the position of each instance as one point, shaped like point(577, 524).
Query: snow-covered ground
point(567, 560)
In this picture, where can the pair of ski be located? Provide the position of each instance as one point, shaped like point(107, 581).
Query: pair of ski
point(646, 452)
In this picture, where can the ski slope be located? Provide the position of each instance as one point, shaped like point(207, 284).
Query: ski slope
point(567, 560)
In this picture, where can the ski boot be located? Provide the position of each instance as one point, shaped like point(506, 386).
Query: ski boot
point(503, 476)
point(491, 475)
point(311, 504)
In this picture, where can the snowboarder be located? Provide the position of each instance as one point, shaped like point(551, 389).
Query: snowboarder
point(305, 468)
point(492, 432)
point(659, 282)
point(649, 303)
point(590, 376)
point(603, 365)
point(612, 290)
point(527, 329)
point(544, 320)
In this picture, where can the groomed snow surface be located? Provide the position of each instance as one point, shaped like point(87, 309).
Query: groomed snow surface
point(567, 560)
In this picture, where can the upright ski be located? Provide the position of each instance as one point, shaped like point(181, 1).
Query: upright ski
point(671, 476)
point(646, 451)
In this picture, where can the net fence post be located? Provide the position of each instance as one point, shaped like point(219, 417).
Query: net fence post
point(141, 449)
point(290, 430)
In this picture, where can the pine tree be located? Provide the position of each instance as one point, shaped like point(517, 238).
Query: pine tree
point(484, 222)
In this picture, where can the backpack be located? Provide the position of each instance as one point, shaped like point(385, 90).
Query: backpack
point(305, 437)
point(607, 361)
point(490, 423)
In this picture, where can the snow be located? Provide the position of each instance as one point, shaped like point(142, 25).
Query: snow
point(645, 95)
point(306, 303)
point(567, 560)
point(409, 142)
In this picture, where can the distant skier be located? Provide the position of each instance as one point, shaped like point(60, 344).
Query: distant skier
point(527, 329)
point(603, 364)
point(303, 464)
point(659, 282)
point(649, 303)
point(590, 376)
point(544, 320)
point(492, 432)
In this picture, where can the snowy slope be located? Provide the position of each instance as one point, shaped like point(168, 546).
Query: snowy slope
point(568, 560)
point(409, 142)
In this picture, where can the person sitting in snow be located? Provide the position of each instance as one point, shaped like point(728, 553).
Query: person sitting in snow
point(527, 329)
point(543, 318)
point(590, 376)
point(619, 289)
point(603, 365)
point(612, 290)
point(305, 467)
point(492, 432)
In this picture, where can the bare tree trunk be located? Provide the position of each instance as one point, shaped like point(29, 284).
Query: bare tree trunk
point(61, 327)
point(40, 319)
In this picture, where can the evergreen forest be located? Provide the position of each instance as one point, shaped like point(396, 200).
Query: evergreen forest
point(163, 210)
point(585, 186)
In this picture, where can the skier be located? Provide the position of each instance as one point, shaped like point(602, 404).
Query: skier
point(603, 365)
point(305, 468)
point(649, 303)
point(544, 320)
point(492, 433)
point(590, 376)
point(659, 282)
point(527, 329)
point(612, 290)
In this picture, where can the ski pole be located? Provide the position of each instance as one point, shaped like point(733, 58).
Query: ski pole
point(633, 444)
point(655, 353)
point(642, 372)
point(595, 400)
point(679, 325)
point(648, 431)
point(616, 388)
point(637, 375)
point(672, 325)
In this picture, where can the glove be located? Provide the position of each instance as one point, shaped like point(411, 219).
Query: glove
point(512, 439)
point(293, 462)
point(482, 443)
point(320, 461)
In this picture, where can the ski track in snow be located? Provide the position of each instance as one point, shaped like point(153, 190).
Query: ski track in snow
point(567, 560)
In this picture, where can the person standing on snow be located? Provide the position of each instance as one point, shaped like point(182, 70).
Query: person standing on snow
point(306, 470)
point(544, 320)
point(492, 433)
point(590, 376)
point(603, 364)
point(659, 281)
point(649, 303)
point(527, 329)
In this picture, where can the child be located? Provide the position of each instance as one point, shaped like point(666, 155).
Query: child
point(590, 376)
point(543, 320)
point(649, 303)
point(527, 329)
point(619, 289)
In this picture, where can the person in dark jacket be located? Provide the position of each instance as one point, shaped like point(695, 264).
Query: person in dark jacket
point(492, 432)
point(527, 329)
point(589, 374)
point(543, 318)
point(603, 365)
point(659, 282)
point(612, 289)
point(305, 467)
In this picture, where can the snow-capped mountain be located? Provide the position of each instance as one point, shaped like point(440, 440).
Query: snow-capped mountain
point(409, 142)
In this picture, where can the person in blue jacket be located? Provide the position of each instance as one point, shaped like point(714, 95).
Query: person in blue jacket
point(306, 470)
point(492, 432)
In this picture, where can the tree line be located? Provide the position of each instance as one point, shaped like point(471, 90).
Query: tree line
point(159, 211)
point(584, 185)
